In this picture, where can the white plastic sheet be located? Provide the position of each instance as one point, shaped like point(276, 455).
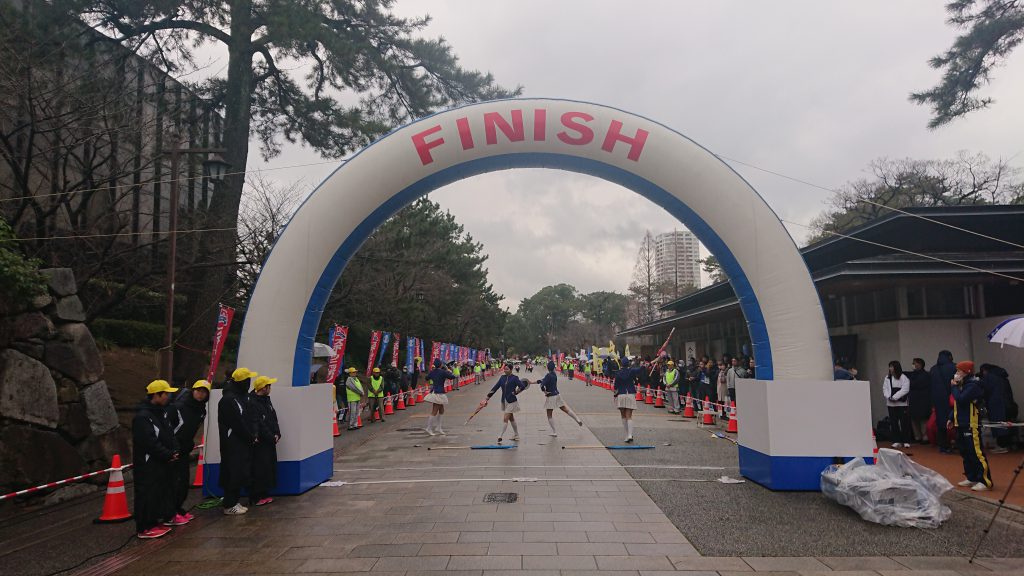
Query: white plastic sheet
point(895, 492)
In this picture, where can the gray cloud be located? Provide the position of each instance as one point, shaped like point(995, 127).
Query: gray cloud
point(811, 89)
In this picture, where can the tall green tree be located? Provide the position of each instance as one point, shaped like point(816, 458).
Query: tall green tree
point(333, 74)
point(550, 309)
point(420, 274)
point(989, 31)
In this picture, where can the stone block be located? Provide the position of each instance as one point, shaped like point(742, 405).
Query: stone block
point(60, 281)
point(28, 325)
point(74, 424)
point(29, 456)
point(98, 450)
point(41, 301)
point(27, 392)
point(69, 309)
point(99, 408)
point(30, 348)
point(67, 391)
point(74, 354)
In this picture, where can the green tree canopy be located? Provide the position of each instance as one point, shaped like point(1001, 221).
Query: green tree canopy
point(990, 31)
point(334, 74)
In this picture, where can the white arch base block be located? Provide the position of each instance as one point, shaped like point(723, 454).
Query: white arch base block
point(305, 454)
point(789, 431)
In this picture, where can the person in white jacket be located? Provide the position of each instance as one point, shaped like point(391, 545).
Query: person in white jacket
point(896, 388)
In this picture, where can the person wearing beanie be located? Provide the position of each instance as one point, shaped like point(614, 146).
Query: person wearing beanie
point(968, 394)
point(236, 424)
point(549, 386)
point(437, 398)
point(268, 434)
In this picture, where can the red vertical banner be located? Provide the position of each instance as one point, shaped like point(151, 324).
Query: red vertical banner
point(374, 348)
point(435, 352)
point(339, 339)
point(219, 336)
point(394, 352)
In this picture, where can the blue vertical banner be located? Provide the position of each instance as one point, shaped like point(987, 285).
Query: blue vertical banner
point(383, 347)
point(410, 352)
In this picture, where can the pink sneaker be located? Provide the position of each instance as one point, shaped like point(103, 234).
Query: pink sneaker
point(154, 532)
point(178, 520)
point(189, 517)
point(264, 501)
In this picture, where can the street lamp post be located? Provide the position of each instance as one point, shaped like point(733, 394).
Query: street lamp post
point(213, 168)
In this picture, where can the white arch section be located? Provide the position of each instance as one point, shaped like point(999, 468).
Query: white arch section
point(775, 290)
point(778, 298)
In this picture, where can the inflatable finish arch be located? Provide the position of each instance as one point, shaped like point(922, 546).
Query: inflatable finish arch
point(775, 291)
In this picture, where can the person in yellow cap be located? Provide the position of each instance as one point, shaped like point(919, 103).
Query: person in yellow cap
point(264, 455)
point(185, 415)
point(375, 394)
point(671, 380)
point(354, 394)
point(236, 424)
point(155, 451)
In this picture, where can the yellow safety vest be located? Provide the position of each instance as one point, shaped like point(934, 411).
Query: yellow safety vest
point(354, 396)
point(376, 387)
point(670, 377)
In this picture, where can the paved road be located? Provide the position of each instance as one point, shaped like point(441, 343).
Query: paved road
point(395, 507)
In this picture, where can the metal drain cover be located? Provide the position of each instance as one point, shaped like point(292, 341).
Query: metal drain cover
point(502, 497)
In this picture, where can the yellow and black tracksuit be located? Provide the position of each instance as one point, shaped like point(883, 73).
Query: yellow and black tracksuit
point(967, 419)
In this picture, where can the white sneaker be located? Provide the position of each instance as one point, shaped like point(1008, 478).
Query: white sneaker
point(896, 445)
point(964, 483)
point(979, 487)
point(905, 445)
point(553, 434)
point(236, 510)
point(429, 431)
point(442, 432)
point(515, 438)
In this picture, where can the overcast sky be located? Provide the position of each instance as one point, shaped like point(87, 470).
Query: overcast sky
point(811, 89)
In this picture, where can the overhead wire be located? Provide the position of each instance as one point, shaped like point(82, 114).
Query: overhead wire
point(872, 202)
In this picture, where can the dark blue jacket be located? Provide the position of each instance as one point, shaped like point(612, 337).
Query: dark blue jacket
point(436, 377)
point(625, 380)
point(996, 384)
point(968, 395)
point(549, 385)
point(510, 385)
point(942, 373)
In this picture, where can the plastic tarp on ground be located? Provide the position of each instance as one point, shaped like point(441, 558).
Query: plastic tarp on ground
point(894, 492)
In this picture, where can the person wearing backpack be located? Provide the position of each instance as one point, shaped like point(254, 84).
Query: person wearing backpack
point(998, 396)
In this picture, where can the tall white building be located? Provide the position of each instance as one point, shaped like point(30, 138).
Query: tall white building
point(676, 259)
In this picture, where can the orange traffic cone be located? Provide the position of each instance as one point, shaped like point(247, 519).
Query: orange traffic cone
point(650, 397)
point(388, 409)
point(115, 504)
point(659, 401)
point(335, 432)
point(874, 452)
point(419, 395)
point(709, 415)
point(376, 414)
point(197, 482)
point(401, 402)
point(639, 394)
point(733, 422)
point(412, 399)
point(359, 421)
point(688, 410)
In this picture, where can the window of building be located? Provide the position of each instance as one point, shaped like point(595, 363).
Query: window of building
point(915, 302)
point(945, 301)
point(887, 304)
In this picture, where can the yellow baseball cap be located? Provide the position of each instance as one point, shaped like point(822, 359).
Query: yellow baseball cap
point(262, 382)
point(350, 370)
point(242, 373)
point(201, 384)
point(376, 370)
point(671, 363)
point(157, 386)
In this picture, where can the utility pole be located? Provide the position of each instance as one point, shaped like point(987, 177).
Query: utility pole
point(213, 168)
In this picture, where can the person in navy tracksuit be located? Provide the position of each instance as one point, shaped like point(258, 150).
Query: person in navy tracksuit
point(625, 395)
point(510, 386)
point(552, 400)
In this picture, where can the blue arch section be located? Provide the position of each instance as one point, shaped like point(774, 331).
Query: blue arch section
point(329, 277)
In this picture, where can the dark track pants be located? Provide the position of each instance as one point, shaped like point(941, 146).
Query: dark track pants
point(975, 464)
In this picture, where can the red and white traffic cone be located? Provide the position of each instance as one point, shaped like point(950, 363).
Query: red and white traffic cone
point(115, 504)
